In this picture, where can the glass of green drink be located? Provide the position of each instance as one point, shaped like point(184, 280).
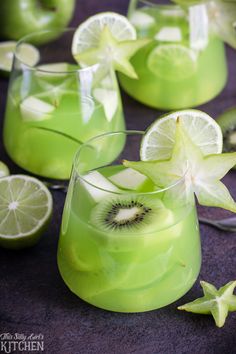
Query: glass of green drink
point(184, 65)
point(125, 245)
point(54, 106)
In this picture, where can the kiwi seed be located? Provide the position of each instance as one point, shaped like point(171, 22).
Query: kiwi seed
point(126, 213)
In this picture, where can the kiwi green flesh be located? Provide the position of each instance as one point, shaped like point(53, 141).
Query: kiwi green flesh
point(130, 214)
point(227, 122)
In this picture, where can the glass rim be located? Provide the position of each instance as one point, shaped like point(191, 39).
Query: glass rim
point(167, 6)
point(23, 40)
point(124, 132)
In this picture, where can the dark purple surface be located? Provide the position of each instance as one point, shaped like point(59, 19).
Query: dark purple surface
point(34, 299)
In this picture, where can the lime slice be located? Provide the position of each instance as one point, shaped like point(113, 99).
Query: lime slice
point(4, 170)
point(88, 33)
point(27, 53)
point(107, 38)
point(158, 142)
point(25, 209)
point(172, 62)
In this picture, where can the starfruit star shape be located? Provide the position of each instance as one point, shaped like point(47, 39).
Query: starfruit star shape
point(112, 52)
point(217, 303)
point(191, 172)
point(56, 91)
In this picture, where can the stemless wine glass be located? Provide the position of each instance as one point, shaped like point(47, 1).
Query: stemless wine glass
point(125, 245)
point(184, 65)
point(54, 106)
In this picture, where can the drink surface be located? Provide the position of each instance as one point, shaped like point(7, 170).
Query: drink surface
point(171, 74)
point(44, 142)
point(129, 271)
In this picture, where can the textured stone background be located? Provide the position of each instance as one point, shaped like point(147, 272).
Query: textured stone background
point(34, 299)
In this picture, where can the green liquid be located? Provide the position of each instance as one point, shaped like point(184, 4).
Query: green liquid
point(131, 272)
point(47, 147)
point(169, 84)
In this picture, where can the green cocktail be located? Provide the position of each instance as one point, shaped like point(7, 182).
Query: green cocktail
point(53, 108)
point(184, 65)
point(123, 245)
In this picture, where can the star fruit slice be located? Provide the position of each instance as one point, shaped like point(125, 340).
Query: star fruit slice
point(197, 173)
point(217, 303)
point(222, 16)
point(107, 38)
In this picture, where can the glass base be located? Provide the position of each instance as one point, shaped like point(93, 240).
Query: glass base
point(175, 283)
point(169, 90)
point(131, 89)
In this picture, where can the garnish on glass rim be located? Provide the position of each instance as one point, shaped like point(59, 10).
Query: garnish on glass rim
point(214, 302)
point(222, 16)
point(203, 172)
point(107, 38)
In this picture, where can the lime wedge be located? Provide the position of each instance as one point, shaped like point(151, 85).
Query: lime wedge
point(158, 142)
point(107, 38)
point(28, 54)
point(172, 62)
point(25, 209)
point(4, 170)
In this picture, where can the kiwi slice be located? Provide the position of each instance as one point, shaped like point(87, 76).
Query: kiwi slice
point(124, 221)
point(227, 122)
